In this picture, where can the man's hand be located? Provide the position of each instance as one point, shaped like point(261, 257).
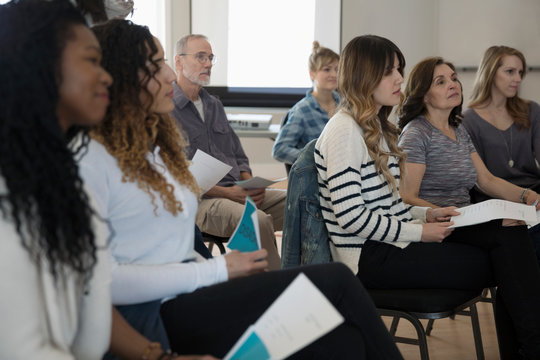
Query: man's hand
point(257, 195)
point(235, 193)
point(238, 194)
point(241, 264)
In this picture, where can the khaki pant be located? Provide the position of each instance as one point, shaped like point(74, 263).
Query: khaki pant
point(219, 217)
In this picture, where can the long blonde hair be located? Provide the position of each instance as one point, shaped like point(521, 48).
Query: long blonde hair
point(517, 107)
point(362, 66)
point(130, 129)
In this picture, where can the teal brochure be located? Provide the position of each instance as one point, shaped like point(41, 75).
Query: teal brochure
point(246, 236)
point(251, 348)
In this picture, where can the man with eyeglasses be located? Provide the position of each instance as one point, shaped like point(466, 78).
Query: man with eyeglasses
point(202, 118)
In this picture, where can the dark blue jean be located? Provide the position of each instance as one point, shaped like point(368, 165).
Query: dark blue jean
point(146, 320)
point(145, 317)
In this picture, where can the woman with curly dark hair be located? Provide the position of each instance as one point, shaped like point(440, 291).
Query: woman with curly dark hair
point(54, 277)
point(54, 263)
point(136, 167)
point(442, 165)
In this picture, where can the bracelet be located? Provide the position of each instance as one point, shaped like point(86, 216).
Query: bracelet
point(149, 349)
point(522, 197)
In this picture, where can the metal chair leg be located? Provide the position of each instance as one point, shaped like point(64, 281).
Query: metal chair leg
point(429, 327)
point(221, 247)
point(394, 325)
point(476, 333)
point(493, 293)
point(422, 340)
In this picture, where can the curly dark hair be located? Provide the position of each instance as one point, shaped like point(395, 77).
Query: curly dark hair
point(45, 198)
point(130, 126)
point(418, 84)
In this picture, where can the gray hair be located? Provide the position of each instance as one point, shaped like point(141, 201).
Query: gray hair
point(182, 43)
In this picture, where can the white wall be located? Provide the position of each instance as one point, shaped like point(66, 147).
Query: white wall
point(180, 24)
point(410, 24)
point(458, 30)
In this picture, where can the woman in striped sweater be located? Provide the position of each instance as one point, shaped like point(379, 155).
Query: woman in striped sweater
point(387, 243)
point(359, 162)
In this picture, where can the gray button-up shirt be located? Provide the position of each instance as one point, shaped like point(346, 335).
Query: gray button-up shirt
point(214, 135)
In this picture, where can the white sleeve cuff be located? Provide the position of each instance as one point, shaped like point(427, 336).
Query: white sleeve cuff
point(419, 212)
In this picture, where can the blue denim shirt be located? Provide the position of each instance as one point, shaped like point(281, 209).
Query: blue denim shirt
point(306, 122)
point(305, 238)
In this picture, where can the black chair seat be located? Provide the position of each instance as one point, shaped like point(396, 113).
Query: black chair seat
point(423, 300)
point(217, 240)
point(416, 304)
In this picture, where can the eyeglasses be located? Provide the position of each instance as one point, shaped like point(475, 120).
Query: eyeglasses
point(203, 57)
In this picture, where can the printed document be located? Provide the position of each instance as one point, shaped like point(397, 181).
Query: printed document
point(257, 182)
point(299, 316)
point(207, 170)
point(494, 209)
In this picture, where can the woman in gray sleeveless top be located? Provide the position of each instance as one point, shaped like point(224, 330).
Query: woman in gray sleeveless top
point(504, 128)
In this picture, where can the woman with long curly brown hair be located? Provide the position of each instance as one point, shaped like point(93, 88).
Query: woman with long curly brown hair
point(136, 168)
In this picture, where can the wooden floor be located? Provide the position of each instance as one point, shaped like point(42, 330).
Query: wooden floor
point(453, 339)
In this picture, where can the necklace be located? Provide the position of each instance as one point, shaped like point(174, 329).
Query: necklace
point(508, 150)
point(329, 107)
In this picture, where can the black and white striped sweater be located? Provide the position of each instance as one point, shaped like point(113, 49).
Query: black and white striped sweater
point(357, 203)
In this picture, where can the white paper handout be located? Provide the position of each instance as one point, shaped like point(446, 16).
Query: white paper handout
point(207, 170)
point(299, 316)
point(257, 182)
point(494, 209)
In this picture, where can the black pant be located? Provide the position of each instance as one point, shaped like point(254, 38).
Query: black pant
point(471, 257)
point(211, 319)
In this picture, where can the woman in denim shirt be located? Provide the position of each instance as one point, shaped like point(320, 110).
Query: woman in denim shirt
point(309, 116)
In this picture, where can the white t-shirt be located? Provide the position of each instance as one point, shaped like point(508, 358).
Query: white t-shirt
point(199, 106)
point(152, 250)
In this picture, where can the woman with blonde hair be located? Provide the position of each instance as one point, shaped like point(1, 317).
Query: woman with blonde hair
point(442, 166)
point(505, 128)
point(308, 117)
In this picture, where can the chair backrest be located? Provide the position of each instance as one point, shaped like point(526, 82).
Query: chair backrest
point(281, 125)
point(284, 120)
point(305, 237)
